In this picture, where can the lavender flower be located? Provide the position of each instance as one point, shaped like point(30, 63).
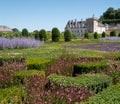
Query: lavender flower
point(12, 43)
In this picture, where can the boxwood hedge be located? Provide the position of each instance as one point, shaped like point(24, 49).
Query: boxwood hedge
point(91, 66)
point(37, 63)
point(111, 95)
point(19, 77)
point(12, 95)
point(93, 81)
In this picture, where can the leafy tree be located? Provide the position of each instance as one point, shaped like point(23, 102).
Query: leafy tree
point(113, 33)
point(95, 35)
point(15, 30)
point(42, 35)
point(25, 32)
point(55, 35)
point(36, 34)
point(86, 35)
point(118, 14)
point(67, 36)
point(103, 34)
point(109, 14)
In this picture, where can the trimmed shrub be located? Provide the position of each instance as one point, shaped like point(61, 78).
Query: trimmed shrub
point(95, 35)
point(103, 34)
point(93, 81)
point(20, 77)
point(91, 66)
point(10, 60)
point(12, 95)
point(111, 95)
point(67, 36)
point(25, 32)
point(55, 35)
point(37, 63)
point(42, 35)
point(113, 33)
point(119, 35)
point(86, 35)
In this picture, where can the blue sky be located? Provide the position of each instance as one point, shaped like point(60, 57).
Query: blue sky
point(46, 14)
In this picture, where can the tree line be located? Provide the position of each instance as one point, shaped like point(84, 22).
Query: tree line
point(55, 35)
point(111, 15)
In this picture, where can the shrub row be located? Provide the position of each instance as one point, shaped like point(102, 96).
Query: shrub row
point(10, 60)
point(12, 95)
point(111, 95)
point(93, 81)
point(91, 66)
point(37, 63)
point(19, 77)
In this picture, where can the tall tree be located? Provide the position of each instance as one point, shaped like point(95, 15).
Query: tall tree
point(25, 32)
point(55, 34)
point(109, 14)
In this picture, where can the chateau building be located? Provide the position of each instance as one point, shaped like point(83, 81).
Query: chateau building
point(89, 25)
point(4, 28)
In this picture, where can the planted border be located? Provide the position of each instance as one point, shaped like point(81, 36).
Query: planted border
point(12, 95)
point(37, 63)
point(111, 95)
point(91, 66)
point(92, 81)
point(20, 77)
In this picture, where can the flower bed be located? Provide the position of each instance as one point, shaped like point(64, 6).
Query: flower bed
point(16, 43)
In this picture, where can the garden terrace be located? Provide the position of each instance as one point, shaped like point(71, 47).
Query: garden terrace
point(45, 72)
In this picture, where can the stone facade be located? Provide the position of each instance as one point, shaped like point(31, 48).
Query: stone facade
point(5, 28)
point(89, 25)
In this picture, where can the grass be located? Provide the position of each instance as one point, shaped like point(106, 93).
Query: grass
point(52, 50)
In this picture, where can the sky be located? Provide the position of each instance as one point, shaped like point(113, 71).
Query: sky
point(46, 14)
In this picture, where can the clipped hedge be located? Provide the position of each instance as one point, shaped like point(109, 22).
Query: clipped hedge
point(111, 95)
point(91, 66)
point(92, 81)
point(37, 63)
point(11, 60)
point(19, 77)
point(12, 95)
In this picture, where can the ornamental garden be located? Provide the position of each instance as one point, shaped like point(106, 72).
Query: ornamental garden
point(58, 68)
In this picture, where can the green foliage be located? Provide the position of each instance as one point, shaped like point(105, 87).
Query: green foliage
point(115, 74)
point(92, 81)
point(103, 34)
point(36, 34)
point(67, 36)
point(86, 35)
point(15, 30)
point(10, 60)
point(113, 33)
point(95, 35)
point(42, 35)
point(119, 35)
point(111, 15)
point(55, 35)
point(12, 95)
point(37, 63)
point(25, 32)
point(111, 95)
point(19, 77)
point(91, 66)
